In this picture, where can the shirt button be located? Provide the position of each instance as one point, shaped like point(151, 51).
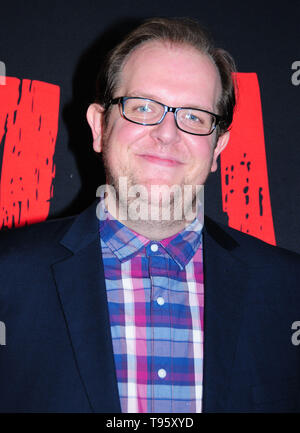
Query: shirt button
point(154, 248)
point(160, 300)
point(162, 373)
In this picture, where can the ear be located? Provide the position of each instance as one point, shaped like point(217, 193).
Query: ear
point(221, 144)
point(95, 117)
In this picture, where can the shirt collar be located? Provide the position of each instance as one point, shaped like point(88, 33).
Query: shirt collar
point(124, 243)
point(183, 245)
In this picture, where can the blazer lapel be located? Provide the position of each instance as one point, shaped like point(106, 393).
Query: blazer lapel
point(225, 278)
point(81, 288)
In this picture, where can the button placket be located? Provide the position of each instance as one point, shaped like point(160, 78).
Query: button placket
point(161, 344)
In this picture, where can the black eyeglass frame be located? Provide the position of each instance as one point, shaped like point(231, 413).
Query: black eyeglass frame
point(121, 100)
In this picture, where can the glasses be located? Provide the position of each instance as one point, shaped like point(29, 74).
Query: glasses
point(145, 111)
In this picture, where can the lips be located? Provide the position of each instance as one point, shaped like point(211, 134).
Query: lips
point(164, 160)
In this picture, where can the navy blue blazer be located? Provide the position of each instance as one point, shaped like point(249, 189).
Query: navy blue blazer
point(58, 355)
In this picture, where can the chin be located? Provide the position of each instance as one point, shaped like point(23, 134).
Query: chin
point(159, 181)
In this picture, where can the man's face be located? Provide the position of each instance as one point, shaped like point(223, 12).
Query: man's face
point(177, 76)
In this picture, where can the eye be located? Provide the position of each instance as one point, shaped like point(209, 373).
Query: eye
point(143, 108)
point(193, 118)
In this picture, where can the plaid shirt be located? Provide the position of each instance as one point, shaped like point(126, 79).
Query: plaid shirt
point(155, 300)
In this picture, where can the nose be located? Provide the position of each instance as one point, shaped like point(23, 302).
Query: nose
point(166, 132)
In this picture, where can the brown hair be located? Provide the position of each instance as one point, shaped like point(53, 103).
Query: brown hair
point(183, 31)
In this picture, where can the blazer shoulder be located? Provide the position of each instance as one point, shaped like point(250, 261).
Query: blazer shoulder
point(249, 248)
point(35, 238)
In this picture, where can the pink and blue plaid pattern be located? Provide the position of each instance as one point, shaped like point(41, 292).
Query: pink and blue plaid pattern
point(155, 299)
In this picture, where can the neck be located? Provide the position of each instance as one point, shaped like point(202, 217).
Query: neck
point(155, 228)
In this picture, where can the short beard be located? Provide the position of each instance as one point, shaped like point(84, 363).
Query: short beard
point(178, 207)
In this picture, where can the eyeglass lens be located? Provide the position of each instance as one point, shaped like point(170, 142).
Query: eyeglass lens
point(150, 112)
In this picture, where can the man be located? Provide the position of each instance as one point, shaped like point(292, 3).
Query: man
point(133, 311)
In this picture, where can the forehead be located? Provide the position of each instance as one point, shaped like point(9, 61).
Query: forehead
point(175, 74)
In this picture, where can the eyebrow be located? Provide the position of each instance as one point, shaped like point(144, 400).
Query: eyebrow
point(151, 96)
